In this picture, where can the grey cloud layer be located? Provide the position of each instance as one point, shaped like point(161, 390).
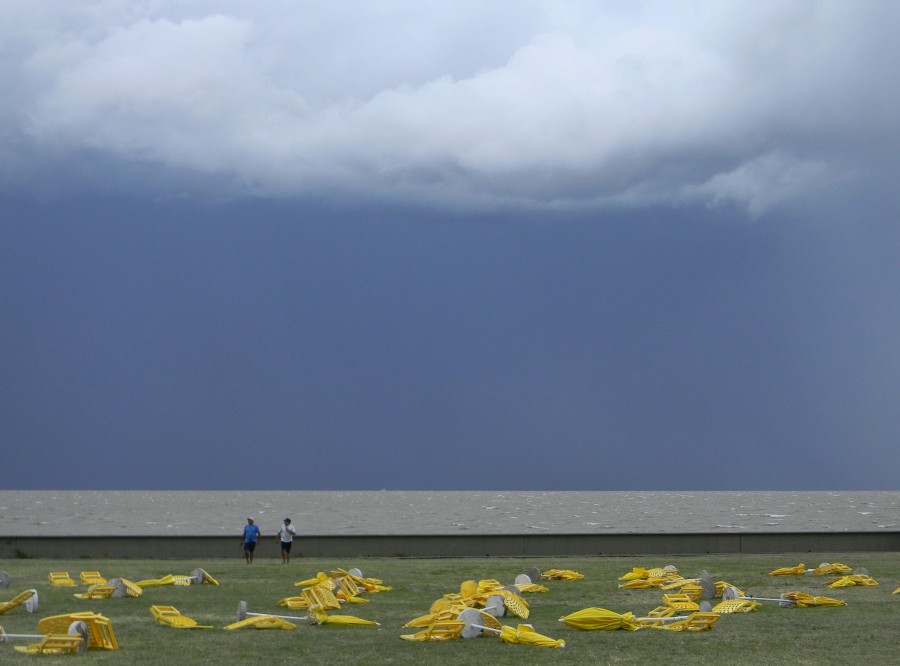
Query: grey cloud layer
point(666, 102)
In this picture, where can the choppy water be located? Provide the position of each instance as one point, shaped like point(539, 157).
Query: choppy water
point(212, 513)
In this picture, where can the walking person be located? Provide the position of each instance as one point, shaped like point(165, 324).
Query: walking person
point(286, 535)
point(250, 539)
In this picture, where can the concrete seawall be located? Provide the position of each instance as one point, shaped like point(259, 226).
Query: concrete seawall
point(426, 546)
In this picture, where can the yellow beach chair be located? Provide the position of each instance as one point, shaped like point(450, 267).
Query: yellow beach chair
point(91, 578)
point(100, 631)
point(96, 591)
point(261, 622)
point(693, 622)
point(680, 602)
point(440, 630)
point(172, 617)
point(29, 598)
point(320, 597)
point(61, 578)
point(735, 606)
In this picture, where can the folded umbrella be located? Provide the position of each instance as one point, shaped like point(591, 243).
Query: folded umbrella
point(590, 619)
point(319, 616)
point(798, 570)
point(835, 568)
point(804, 600)
point(561, 574)
point(850, 581)
point(525, 634)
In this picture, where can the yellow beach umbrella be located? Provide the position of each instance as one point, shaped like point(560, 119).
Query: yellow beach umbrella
point(591, 619)
point(804, 600)
point(834, 569)
point(480, 623)
point(261, 622)
point(319, 616)
point(850, 581)
point(561, 574)
point(798, 570)
point(468, 588)
point(525, 634)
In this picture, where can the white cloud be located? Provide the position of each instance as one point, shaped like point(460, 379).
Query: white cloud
point(764, 182)
point(470, 103)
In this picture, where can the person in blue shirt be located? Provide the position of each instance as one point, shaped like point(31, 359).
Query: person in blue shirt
point(250, 539)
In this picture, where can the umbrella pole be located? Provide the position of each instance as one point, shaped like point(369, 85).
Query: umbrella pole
point(731, 594)
point(242, 614)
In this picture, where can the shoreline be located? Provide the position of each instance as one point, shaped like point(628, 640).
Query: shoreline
point(435, 546)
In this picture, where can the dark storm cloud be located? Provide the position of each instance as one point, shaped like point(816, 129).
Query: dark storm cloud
point(383, 348)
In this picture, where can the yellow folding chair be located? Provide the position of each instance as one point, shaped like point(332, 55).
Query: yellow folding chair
point(100, 631)
point(680, 602)
point(61, 578)
point(172, 617)
point(29, 598)
point(440, 630)
point(320, 597)
point(96, 591)
point(693, 622)
point(91, 578)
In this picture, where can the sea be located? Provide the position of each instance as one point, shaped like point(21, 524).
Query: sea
point(397, 512)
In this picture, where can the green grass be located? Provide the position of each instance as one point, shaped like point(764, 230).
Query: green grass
point(864, 632)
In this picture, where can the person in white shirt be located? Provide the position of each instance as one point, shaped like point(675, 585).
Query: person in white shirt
point(286, 535)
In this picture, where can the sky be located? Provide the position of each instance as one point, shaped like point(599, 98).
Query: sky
point(450, 245)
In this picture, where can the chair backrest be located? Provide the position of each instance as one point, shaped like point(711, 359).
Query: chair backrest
point(319, 597)
point(348, 587)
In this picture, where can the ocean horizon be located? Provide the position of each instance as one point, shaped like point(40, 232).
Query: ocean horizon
point(388, 512)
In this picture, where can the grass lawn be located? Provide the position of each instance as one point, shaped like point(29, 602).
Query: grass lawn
point(863, 632)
